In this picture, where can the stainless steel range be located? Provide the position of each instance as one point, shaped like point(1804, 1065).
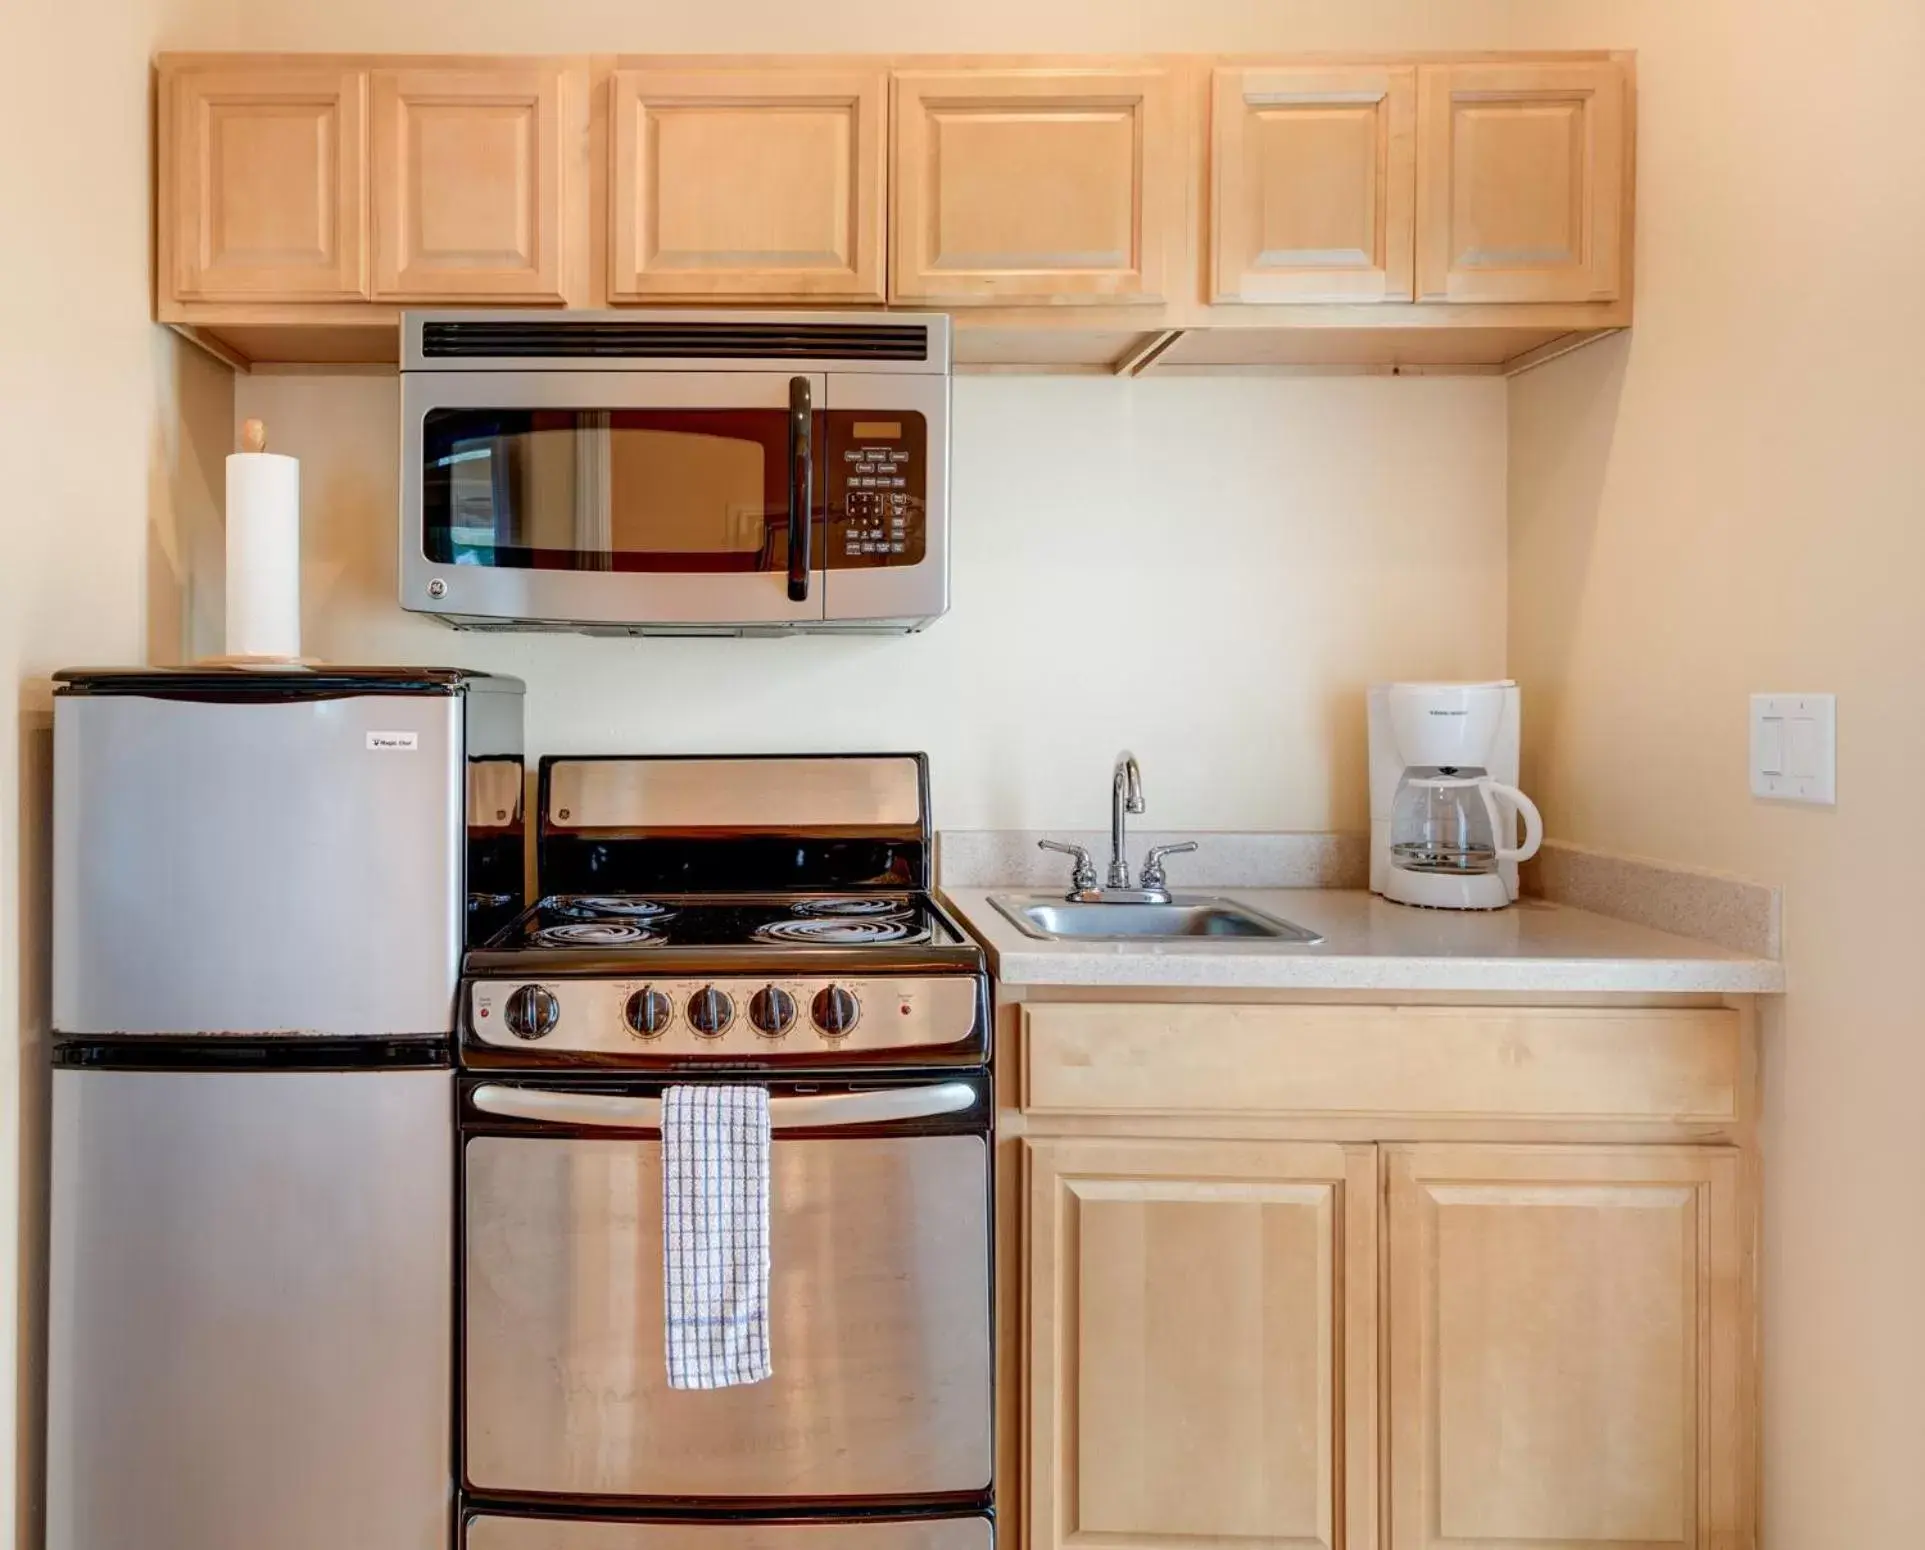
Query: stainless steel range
point(757, 920)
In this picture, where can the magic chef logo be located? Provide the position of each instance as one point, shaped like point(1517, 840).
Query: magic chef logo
point(393, 742)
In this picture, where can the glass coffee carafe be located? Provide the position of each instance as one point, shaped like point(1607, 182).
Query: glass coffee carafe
point(1459, 822)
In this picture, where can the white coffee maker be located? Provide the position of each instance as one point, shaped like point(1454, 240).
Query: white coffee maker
point(1444, 802)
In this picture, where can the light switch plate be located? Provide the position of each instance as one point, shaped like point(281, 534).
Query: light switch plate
point(1794, 748)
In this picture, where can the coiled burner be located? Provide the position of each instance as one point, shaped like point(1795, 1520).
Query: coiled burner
point(834, 931)
point(597, 933)
point(855, 905)
point(600, 906)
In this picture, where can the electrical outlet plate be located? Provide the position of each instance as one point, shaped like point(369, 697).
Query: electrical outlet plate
point(1794, 748)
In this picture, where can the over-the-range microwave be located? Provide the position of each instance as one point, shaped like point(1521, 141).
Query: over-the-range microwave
point(678, 473)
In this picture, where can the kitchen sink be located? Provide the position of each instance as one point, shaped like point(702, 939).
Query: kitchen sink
point(1184, 919)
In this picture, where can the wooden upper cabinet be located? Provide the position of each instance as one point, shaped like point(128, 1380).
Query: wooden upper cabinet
point(473, 173)
point(265, 184)
point(1522, 182)
point(1567, 1338)
point(1126, 211)
point(1048, 185)
point(1313, 184)
point(1201, 1344)
point(748, 183)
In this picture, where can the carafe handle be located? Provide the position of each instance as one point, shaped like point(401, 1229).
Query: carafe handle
point(1525, 809)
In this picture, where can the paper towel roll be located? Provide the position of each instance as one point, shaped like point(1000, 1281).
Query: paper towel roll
point(263, 555)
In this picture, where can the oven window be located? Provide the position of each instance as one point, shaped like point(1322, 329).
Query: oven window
point(614, 490)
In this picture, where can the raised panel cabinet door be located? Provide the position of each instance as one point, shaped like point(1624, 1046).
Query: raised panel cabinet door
point(765, 183)
point(472, 172)
point(1522, 177)
point(1568, 1330)
point(1201, 1344)
point(268, 172)
point(1314, 184)
point(1016, 186)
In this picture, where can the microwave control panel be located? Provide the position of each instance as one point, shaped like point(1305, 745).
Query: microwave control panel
point(878, 485)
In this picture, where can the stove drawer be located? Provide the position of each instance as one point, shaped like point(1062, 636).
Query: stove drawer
point(487, 1532)
point(879, 1325)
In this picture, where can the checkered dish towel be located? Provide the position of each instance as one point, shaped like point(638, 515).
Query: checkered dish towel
point(715, 1234)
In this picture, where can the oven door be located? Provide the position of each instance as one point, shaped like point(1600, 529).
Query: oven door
point(879, 1302)
point(616, 498)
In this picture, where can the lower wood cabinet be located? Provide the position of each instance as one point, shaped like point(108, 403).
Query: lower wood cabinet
point(1565, 1334)
point(1201, 1343)
point(1567, 1342)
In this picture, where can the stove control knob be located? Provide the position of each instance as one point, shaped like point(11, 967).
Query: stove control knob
point(532, 1012)
point(710, 1012)
point(648, 1013)
point(772, 1010)
point(835, 1011)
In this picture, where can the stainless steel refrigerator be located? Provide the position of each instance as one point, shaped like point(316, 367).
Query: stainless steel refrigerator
point(262, 886)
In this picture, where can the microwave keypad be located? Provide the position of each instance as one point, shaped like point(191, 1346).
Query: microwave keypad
point(878, 503)
point(877, 487)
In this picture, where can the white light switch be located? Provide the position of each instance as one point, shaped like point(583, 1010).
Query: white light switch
point(1794, 747)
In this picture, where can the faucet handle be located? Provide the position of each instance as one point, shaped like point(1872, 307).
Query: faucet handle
point(1085, 879)
point(1153, 863)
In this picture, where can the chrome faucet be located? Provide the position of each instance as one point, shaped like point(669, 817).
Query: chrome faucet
point(1126, 797)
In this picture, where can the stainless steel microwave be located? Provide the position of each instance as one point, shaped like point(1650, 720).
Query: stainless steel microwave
point(679, 473)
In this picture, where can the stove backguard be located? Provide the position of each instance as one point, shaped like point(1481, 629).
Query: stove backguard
point(740, 824)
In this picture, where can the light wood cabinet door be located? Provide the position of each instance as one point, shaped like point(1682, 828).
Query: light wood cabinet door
point(1567, 1338)
point(1201, 1344)
point(1522, 182)
point(1314, 184)
point(267, 175)
point(1020, 186)
point(748, 183)
point(471, 175)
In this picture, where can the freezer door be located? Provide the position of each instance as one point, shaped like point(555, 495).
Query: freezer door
point(879, 1325)
point(250, 1338)
point(257, 868)
point(500, 1533)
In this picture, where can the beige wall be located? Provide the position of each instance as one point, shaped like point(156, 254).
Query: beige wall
point(1206, 570)
point(1731, 499)
point(780, 26)
point(109, 434)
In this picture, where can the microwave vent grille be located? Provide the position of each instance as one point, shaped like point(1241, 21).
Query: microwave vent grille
point(639, 340)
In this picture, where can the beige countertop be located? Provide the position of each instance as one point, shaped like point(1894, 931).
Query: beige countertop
point(1370, 944)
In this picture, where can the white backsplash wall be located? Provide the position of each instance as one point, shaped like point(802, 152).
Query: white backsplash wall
point(1205, 570)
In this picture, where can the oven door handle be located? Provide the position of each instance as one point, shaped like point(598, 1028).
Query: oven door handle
point(801, 486)
point(805, 1111)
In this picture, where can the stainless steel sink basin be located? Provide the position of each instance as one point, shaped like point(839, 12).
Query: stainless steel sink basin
point(1186, 918)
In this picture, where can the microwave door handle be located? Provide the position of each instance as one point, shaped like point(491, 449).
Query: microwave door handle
point(806, 1111)
point(801, 485)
